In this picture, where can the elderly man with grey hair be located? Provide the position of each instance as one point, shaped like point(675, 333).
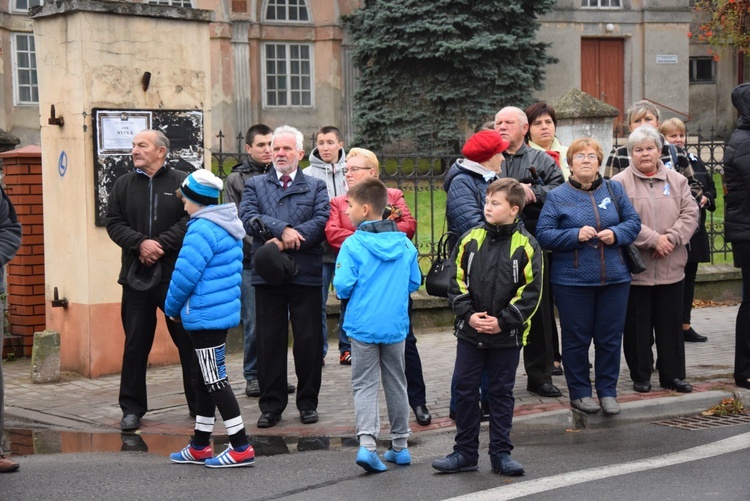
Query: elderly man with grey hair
point(538, 174)
point(148, 221)
point(293, 208)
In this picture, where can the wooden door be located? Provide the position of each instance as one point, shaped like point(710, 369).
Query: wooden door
point(602, 72)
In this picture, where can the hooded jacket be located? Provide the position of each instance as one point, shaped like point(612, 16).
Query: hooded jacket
point(466, 187)
point(666, 207)
point(233, 188)
point(142, 207)
point(376, 270)
point(10, 234)
point(498, 270)
point(737, 170)
point(205, 288)
point(335, 180)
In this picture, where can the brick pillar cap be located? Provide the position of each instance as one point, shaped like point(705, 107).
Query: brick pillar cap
point(31, 151)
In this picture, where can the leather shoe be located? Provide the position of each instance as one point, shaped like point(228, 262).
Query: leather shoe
point(586, 404)
point(693, 337)
point(642, 386)
point(268, 419)
point(677, 385)
point(742, 383)
point(290, 388)
point(130, 422)
point(7, 465)
point(308, 416)
point(545, 390)
point(252, 388)
point(422, 413)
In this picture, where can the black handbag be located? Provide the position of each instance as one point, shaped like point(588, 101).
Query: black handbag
point(438, 278)
point(630, 252)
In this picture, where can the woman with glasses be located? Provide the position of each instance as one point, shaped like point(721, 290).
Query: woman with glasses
point(584, 229)
point(670, 217)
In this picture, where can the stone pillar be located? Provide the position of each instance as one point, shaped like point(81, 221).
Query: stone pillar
point(22, 170)
point(96, 54)
point(241, 57)
point(580, 115)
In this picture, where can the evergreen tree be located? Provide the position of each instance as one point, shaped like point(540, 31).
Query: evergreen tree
point(430, 69)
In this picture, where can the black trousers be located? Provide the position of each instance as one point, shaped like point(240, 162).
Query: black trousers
point(691, 272)
point(415, 386)
point(275, 306)
point(139, 321)
point(742, 329)
point(654, 313)
point(538, 354)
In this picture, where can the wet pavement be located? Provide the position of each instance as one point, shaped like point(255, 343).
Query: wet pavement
point(83, 413)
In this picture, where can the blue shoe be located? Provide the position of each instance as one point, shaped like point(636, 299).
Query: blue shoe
point(369, 461)
point(401, 457)
point(230, 458)
point(454, 463)
point(502, 464)
point(191, 455)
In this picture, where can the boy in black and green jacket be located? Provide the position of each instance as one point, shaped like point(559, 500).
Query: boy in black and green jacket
point(494, 291)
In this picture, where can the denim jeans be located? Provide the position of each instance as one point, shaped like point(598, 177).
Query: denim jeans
point(247, 313)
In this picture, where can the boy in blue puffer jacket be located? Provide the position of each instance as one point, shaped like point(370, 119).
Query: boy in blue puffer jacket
point(376, 270)
point(204, 294)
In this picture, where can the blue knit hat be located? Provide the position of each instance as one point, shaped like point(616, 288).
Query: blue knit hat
point(202, 187)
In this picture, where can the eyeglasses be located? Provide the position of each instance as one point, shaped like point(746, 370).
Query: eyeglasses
point(590, 156)
point(346, 170)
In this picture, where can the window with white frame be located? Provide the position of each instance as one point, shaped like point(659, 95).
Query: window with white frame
point(25, 87)
point(602, 4)
point(25, 5)
point(288, 74)
point(287, 10)
point(173, 3)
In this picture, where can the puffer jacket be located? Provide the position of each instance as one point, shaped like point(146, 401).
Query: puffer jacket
point(498, 270)
point(339, 226)
point(234, 186)
point(737, 171)
point(466, 187)
point(205, 288)
point(303, 206)
point(591, 263)
point(518, 166)
point(376, 270)
point(666, 207)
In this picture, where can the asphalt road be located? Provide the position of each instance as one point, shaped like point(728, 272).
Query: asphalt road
point(638, 461)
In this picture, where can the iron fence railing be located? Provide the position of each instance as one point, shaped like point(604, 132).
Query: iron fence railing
point(420, 177)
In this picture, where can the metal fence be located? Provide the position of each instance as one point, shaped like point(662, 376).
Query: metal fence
point(421, 175)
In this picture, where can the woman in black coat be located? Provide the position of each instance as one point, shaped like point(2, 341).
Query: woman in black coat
point(699, 248)
point(737, 223)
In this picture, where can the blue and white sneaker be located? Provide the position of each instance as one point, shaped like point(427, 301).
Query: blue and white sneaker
point(230, 458)
point(401, 457)
point(191, 455)
point(370, 461)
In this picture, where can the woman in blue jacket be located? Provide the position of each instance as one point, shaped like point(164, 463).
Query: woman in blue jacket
point(204, 294)
point(584, 228)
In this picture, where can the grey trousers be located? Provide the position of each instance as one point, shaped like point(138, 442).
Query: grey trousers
point(370, 362)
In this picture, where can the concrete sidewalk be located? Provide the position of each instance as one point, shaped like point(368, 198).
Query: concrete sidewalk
point(81, 404)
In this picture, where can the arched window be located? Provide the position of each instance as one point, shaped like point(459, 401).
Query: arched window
point(287, 10)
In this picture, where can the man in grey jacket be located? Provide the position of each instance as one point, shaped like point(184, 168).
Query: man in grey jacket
point(327, 161)
point(538, 175)
point(10, 241)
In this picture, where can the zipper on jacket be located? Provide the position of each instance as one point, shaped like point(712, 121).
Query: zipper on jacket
point(515, 271)
point(602, 262)
point(468, 269)
point(150, 205)
point(187, 306)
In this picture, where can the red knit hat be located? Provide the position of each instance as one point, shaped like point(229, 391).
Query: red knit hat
point(484, 145)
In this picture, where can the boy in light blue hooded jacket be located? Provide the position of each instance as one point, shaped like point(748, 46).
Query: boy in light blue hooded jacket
point(376, 270)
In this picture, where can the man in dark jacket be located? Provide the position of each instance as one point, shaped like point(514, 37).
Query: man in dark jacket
point(294, 208)
point(10, 241)
point(148, 221)
point(538, 174)
point(737, 223)
point(257, 161)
